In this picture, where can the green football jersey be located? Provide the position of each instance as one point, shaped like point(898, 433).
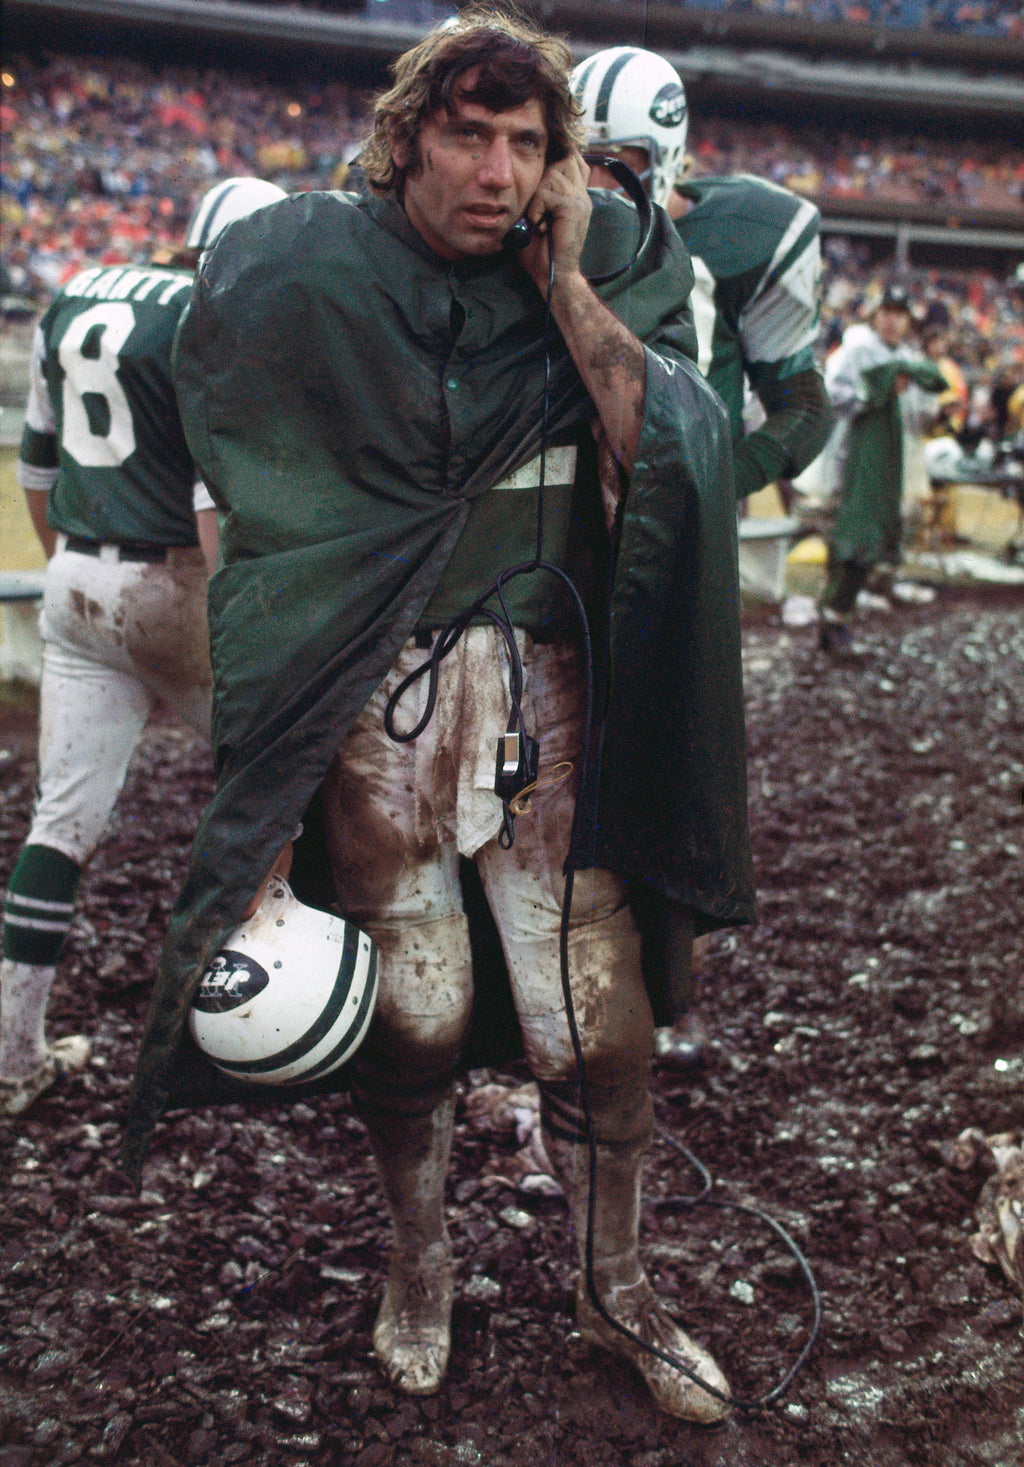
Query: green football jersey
point(757, 266)
point(102, 430)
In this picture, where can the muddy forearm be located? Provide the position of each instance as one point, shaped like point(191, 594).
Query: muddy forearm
point(610, 361)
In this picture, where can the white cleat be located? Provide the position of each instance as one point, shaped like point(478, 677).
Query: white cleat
point(412, 1335)
point(64, 1057)
point(640, 1310)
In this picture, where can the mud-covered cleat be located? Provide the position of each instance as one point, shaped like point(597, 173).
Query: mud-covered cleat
point(640, 1310)
point(412, 1335)
point(64, 1057)
point(684, 1046)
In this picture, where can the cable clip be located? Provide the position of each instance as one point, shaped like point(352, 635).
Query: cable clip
point(515, 769)
point(516, 765)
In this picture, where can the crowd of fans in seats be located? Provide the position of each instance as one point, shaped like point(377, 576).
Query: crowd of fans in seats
point(967, 173)
point(982, 313)
point(105, 160)
point(980, 18)
point(967, 17)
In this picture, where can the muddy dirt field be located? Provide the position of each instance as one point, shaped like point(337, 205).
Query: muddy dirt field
point(875, 1013)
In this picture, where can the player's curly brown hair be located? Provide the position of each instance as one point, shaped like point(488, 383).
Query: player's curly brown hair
point(517, 63)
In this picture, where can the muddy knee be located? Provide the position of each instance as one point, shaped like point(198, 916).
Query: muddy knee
point(425, 998)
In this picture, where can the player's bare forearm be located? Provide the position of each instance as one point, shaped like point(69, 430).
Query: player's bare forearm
point(610, 360)
point(37, 502)
point(608, 356)
point(208, 535)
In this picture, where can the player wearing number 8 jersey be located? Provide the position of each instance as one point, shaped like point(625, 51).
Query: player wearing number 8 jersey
point(110, 486)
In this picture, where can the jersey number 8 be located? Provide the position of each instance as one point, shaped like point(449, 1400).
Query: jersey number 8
point(97, 430)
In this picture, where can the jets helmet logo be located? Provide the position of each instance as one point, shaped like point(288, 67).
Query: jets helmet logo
point(231, 980)
point(669, 107)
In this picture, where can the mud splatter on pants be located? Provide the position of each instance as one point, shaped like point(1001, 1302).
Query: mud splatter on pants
point(398, 818)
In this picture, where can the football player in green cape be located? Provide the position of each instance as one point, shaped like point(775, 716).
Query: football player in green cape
point(387, 421)
point(866, 376)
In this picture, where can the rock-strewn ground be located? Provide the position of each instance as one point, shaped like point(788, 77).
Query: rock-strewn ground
point(875, 1012)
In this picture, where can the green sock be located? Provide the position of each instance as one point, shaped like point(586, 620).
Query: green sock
point(40, 905)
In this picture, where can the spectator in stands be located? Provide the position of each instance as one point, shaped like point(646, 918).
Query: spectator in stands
point(950, 407)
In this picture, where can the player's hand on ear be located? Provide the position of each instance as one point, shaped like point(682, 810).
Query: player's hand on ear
point(561, 210)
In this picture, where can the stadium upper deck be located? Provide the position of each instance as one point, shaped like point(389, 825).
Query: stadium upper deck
point(955, 55)
point(998, 18)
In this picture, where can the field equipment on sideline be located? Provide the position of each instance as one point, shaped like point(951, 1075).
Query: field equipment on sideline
point(290, 996)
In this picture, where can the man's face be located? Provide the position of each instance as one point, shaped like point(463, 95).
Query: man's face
point(892, 324)
point(474, 174)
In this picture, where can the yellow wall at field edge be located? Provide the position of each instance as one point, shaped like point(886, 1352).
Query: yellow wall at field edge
point(19, 546)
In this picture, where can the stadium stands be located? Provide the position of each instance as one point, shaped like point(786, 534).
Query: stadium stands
point(105, 158)
point(984, 18)
point(964, 17)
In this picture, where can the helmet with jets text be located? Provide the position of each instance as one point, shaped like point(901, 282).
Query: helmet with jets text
point(289, 997)
point(633, 98)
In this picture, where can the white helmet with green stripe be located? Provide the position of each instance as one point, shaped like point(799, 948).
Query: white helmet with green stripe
point(221, 205)
point(290, 996)
point(632, 98)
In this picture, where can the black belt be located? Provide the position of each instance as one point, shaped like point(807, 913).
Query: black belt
point(131, 550)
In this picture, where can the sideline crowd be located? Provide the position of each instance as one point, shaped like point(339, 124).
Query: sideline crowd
point(107, 157)
point(963, 17)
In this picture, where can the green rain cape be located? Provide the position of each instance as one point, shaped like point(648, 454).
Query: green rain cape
point(343, 426)
point(868, 522)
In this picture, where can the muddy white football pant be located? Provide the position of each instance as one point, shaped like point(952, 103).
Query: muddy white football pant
point(398, 818)
point(117, 636)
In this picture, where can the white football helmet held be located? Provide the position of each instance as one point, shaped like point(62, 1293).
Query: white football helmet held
point(232, 199)
point(633, 98)
point(289, 997)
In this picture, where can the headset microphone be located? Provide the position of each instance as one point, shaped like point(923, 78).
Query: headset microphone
point(519, 236)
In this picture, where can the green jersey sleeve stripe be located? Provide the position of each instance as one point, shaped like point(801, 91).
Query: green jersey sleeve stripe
point(782, 316)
